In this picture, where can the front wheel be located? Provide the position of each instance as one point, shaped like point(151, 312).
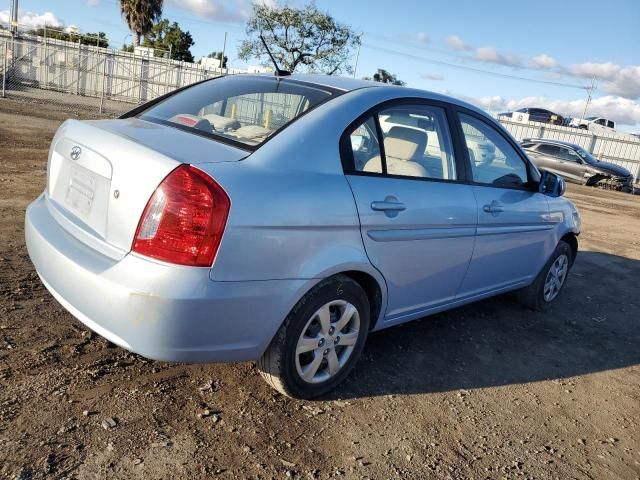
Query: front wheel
point(320, 340)
point(550, 281)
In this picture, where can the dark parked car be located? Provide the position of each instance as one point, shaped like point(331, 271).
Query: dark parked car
point(537, 115)
point(576, 165)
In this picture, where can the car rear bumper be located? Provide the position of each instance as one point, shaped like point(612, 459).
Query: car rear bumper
point(161, 311)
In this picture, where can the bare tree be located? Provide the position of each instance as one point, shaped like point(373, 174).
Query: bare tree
point(300, 39)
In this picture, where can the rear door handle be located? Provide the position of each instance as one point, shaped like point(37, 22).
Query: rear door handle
point(388, 206)
point(493, 207)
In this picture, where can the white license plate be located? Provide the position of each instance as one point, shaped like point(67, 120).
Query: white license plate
point(81, 190)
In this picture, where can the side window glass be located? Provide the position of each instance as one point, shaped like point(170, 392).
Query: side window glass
point(572, 156)
point(365, 148)
point(493, 160)
point(417, 142)
point(609, 124)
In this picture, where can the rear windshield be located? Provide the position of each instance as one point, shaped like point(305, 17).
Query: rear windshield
point(243, 110)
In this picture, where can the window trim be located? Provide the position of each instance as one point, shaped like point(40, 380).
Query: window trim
point(532, 172)
point(346, 152)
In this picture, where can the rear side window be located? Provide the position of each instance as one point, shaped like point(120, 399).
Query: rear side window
point(493, 160)
point(365, 147)
point(552, 150)
point(236, 109)
point(402, 140)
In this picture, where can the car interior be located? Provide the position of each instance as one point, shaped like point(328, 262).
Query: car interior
point(412, 145)
point(247, 111)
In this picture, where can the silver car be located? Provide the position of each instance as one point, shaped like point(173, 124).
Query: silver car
point(576, 165)
point(273, 219)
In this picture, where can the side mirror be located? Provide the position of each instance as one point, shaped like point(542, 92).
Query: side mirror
point(552, 184)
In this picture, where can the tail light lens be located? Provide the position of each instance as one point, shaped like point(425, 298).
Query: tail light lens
point(184, 219)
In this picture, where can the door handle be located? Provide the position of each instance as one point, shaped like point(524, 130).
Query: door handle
point(493, 207)
point(388, 206)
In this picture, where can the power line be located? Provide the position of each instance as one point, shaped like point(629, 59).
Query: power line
point(469, 68)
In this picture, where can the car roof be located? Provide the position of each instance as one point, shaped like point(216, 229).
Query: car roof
point(348, 84)
point(550, 142)
point(345, 84)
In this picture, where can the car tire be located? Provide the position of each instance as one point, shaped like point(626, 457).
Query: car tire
point(547, 286)
point(291, 354)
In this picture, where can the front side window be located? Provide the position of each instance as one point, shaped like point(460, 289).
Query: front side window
point(572, 156)
point(493, 160)
point(245, 110)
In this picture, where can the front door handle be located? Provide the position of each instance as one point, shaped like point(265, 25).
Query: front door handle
point(493, 207)
point(388, 206)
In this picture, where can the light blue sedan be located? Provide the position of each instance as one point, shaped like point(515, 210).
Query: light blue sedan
point(281, 219)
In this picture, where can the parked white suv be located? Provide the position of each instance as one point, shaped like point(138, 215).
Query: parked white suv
point(593, 123)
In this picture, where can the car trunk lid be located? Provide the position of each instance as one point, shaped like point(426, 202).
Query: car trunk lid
point(101, 175)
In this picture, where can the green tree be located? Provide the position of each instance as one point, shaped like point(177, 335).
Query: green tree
point(140, 16)
point(299, 39)
point(97, 39)
point(384, 76)
point(166, 36)
point(218, 55)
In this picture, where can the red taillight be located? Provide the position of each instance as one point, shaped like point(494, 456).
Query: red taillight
point(184, 219)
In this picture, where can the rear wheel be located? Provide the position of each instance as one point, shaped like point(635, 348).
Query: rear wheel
point(320, 340)
point(550, 281)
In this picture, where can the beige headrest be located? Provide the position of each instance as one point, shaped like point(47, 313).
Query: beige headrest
point(404, 143)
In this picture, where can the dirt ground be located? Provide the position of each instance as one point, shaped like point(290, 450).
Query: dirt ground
point(485, 391)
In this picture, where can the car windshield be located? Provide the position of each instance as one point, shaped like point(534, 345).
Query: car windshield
point(591, 118)
point(586, 156)
point(241, 110)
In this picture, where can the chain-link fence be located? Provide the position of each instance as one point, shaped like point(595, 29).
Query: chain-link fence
point(78, 76)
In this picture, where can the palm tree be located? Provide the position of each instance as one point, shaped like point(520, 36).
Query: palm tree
point(140, 16)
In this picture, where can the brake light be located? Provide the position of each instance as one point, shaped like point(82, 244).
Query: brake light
point(184, 219)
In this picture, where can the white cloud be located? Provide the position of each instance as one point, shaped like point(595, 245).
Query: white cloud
point(456, 43)
point(491, 55)
point(483, 54)
point(221, 10)
point(623, 110)
point(622, 81)
point(543, 61)
point(422, 37)
point(617, 80)
point(598, 70)
point(93, 2)
point(432, 76)
point(32, 20)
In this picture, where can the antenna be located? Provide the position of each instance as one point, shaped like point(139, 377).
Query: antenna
point(278, 72)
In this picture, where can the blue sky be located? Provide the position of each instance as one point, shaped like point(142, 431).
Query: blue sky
point(499, 54)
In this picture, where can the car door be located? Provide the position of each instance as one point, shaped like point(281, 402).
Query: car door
point(572, 165)
point(417, 220)
point(513, 232)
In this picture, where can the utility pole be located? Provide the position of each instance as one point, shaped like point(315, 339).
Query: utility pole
point(589, 93)
point(355, 69)
point(14, 17)
point(224, 47)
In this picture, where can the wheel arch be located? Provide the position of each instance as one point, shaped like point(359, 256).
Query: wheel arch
point(572, 239)
point(374, 293)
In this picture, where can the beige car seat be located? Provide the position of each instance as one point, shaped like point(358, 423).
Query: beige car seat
point(403, 147)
